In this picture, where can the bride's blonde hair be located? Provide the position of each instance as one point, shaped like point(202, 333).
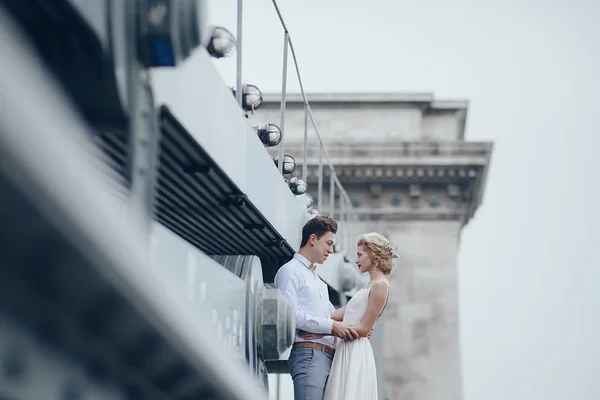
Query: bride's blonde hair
point(379, 249)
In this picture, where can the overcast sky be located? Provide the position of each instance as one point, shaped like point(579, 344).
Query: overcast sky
point(528, 263)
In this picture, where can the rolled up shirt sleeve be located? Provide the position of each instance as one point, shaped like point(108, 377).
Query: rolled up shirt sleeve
point(287, 281)
point(331, 308)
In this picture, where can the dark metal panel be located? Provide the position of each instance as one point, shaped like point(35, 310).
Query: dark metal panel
point(76, 55)
point(199, 202)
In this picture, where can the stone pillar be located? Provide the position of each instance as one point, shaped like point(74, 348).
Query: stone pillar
point(421, 208)
point(412, 177)
point(421, 322)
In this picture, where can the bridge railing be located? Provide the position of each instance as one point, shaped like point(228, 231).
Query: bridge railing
point(342, 208)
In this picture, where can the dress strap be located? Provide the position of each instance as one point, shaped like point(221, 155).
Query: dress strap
point(387, 296)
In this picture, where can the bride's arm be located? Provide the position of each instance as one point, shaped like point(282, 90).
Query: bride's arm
point(338, 315)
point(377, 298)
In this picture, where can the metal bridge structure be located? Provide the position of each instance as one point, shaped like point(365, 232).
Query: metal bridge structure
point(136, 255)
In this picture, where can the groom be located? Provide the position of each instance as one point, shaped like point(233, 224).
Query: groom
point(310, 360)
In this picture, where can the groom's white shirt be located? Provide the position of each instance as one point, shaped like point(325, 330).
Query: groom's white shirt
point(308, 296)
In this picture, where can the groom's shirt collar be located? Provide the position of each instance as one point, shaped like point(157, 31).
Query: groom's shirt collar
point(304, 261)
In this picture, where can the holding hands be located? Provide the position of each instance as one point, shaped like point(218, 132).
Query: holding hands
point(341, 330)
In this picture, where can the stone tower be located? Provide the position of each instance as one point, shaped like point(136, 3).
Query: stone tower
point(411, 176)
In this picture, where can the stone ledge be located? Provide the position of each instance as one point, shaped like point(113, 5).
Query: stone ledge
point(394, 149)
point(395, 214)
point(397, 175)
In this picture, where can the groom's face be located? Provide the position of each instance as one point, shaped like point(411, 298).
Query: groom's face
point(323, 247)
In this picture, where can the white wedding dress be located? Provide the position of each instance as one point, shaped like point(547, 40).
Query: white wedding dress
point(353, 375)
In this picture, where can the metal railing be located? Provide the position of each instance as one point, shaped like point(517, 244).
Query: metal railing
point(345, 209)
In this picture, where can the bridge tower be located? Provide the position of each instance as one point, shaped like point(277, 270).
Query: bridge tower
point(411, 176)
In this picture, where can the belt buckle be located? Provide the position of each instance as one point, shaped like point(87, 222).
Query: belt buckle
point(324, 349)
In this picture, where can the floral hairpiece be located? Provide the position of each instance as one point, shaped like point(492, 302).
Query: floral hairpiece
point(392, 251)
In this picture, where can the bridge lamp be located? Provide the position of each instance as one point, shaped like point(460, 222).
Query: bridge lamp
point(349, 277)
point(251, 97)
point(289, 164)
point(269, 134)
point(221, 42)
point(309, 200)
point(298, 186)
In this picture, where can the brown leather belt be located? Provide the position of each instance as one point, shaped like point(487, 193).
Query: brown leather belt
point(324, 348)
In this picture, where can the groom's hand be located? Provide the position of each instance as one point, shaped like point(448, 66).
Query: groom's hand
point(343, 331)
point(309, 335)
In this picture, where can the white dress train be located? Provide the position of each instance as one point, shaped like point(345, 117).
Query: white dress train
point(353, 375)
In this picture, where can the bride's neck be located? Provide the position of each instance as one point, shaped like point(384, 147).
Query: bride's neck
point(375, 275)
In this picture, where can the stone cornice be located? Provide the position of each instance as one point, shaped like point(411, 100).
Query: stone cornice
point(398, 174)
point(400, 163)
point(410, 204)
point(393, 214)
point(424, 101)
point(336, 98)
point(395, 153)
point(388, 98)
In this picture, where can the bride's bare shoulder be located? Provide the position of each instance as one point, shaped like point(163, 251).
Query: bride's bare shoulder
point(379, 288)
point(381, 284)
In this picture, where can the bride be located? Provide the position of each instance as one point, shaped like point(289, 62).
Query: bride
point(353, 374)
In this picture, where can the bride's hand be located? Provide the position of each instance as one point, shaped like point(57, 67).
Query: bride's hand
point(369, 334)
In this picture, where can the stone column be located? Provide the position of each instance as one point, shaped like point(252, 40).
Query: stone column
point(421, 321)
point(411, 176)
point(419, 197)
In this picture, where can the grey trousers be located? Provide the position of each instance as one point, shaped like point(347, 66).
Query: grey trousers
point(309, 369)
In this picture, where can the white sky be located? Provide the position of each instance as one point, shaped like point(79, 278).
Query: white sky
point(529, 267)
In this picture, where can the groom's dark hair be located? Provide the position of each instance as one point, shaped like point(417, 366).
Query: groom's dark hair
point(318, 226)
